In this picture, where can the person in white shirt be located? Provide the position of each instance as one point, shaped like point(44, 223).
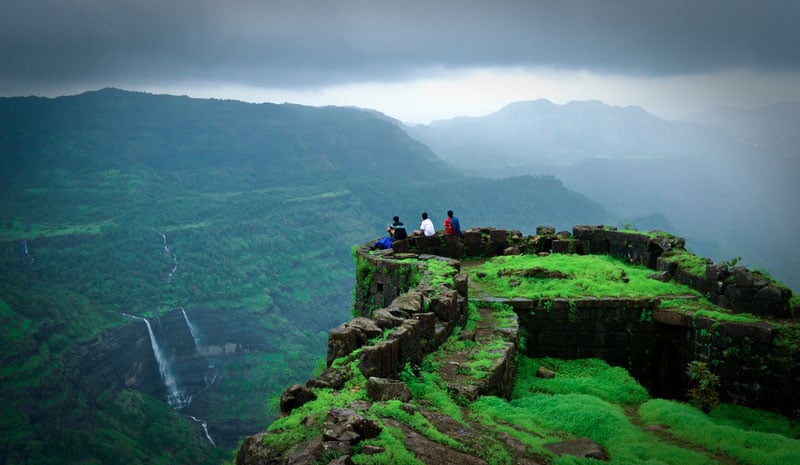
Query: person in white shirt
point(426, 227)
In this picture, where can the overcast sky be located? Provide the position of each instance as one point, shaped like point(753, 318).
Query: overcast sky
point(414, 60)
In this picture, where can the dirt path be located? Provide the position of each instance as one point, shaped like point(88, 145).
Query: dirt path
point(663, 435)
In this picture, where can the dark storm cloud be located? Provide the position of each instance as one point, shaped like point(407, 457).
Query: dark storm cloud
point(308, 43)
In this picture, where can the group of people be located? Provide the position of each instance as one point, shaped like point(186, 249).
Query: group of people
point(451, 225)
point(397, 230)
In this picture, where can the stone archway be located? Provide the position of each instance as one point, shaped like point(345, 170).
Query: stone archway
point(667, 371)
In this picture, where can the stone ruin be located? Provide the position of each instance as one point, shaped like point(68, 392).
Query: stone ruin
point(755, 364)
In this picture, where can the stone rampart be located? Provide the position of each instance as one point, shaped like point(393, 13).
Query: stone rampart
point(654, 344)
point(406, 310)
point(733, 287)
point(404, 314)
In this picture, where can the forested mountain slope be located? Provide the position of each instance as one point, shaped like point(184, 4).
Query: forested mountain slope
point(237, 218)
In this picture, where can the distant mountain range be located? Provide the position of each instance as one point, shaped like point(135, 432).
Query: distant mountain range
point(727, 179)
point(551, 135)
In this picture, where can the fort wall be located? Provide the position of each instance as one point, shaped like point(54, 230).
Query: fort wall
point(755, 361)
point(410, 299)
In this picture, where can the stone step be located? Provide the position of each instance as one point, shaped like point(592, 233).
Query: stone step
point(463, 360)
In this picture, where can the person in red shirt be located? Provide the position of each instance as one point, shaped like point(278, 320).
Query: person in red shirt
point(452, 225)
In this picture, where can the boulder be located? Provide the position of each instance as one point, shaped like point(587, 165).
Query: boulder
point(742, 277)
point(410, 302)
point(581, 447)
point(329, 379)
point(369, 449)
point(347, 425)
point(385, 319)
point(341, 341)
point(461, 281)
point(254, 452)
point(380, 389)
point(340, 448)
point(295, 396)
point(366, 329)
point(716, 272)
point(545, 373)
point(662, 276)
point(304, 453)
point(343, 460)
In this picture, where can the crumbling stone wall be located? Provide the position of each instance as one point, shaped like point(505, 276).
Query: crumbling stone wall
point(739, 290)
point(755, 366)
point(655, 345)
point(735, 288)
point(396, 295)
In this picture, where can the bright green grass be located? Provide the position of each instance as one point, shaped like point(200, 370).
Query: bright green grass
point(687, 261)
point(726, 435)
point(544, 416)
point(441, 273)
point(755, 420)
point(584, 376)
point(395, 452)
point(429, 387)
point(650, 234)
point(707, 309)
point(588, 275)
point(416, 421)
point(293, 429)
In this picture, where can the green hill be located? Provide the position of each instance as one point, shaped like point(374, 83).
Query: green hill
point(118, 203)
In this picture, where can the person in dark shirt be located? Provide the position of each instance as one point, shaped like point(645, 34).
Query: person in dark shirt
point(397, 230)
point(452, 225)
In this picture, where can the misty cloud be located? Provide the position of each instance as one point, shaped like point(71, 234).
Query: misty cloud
point(302, 44)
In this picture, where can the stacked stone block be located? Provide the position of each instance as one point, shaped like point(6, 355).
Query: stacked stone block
point(418, 320)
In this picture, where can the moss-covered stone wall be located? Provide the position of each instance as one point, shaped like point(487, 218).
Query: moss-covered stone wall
point(757, 363)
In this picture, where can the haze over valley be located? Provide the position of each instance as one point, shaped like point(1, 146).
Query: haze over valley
point(726, 181)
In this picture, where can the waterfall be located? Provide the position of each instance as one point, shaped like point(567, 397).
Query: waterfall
point(25, 247)
point(212, 373)
point(205, 429)
point(176, 398)
point(193, 330)
point(174, 268)
point(174, 258)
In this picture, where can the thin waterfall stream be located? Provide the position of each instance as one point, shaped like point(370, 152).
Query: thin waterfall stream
point(193, 330)
point(176, 398)
point(174, 258)
point(204, 424)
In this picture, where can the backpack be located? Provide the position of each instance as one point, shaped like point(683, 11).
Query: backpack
point(384, 243)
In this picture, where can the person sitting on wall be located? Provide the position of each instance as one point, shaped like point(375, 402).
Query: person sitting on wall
point(397, 230)
point(452, 225)
point(426, 227)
